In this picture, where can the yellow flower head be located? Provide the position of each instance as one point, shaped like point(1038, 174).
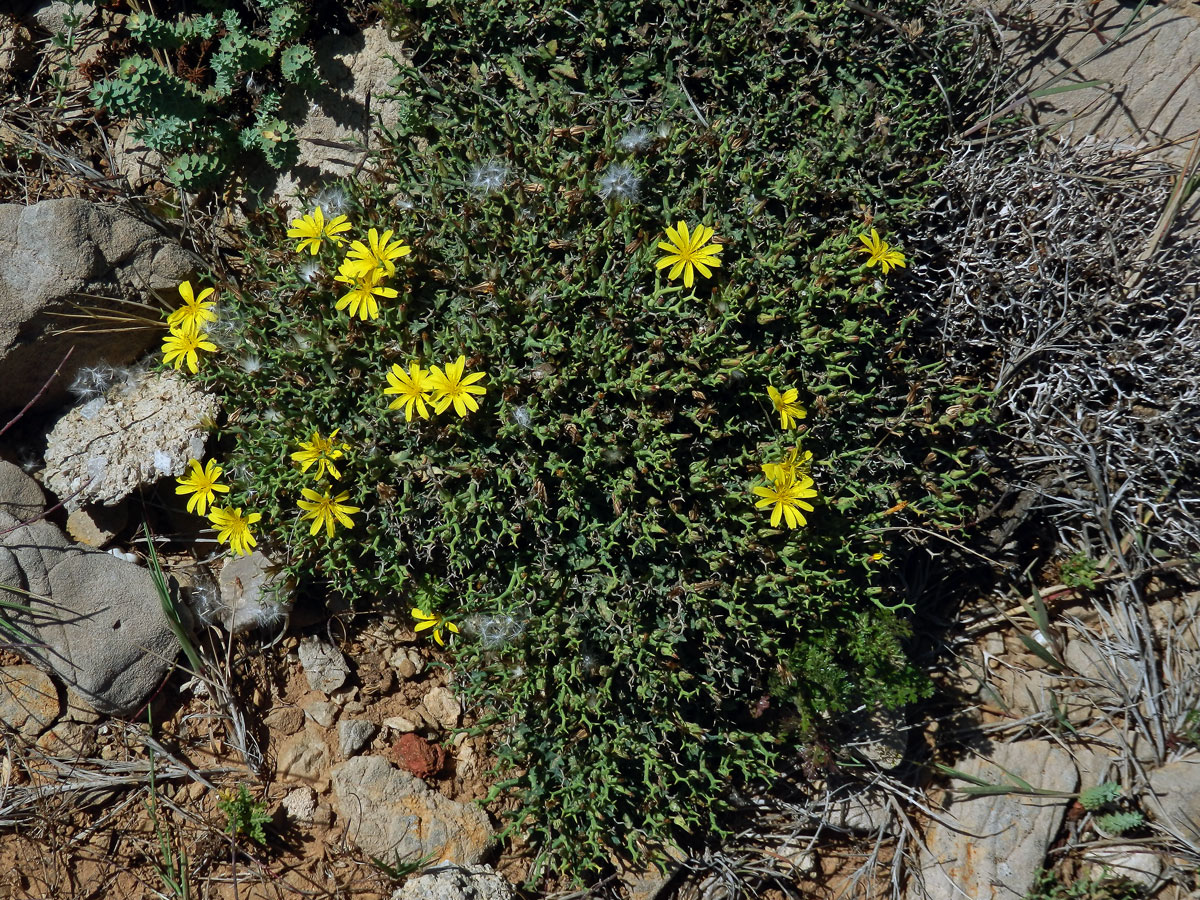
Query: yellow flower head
point(413, 388)
point(791, 466)
point(880, 252)
point(437, 623)
point(326, 510)
point(381, 254)
point(182, 346)
point(787, 500)
point(790, 412)
point(202, 484)
point(195, 310)
point(313, 230)
point(323, 452)
point(688, 252)
point(450, 387)
point(361, 297)
point(234, 529)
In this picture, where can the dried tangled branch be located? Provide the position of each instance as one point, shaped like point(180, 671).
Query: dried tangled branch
point(1031, 255)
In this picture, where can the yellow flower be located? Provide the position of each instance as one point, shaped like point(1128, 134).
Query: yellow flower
point(788, 500)
point(413, 387)
point(789, 410)
point(450, 387)
point(880, 252)
point(201, 484)
point(379, 255)
point(325, 510)
point(434, 621)
point(361, 298)
point(688, 252)
point(313, 229)
point(792, 465)
point(234, 529)
point(194, 312)
point(181, 346)
point(321, 451)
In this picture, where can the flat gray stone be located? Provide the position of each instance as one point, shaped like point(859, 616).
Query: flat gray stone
point(998, 843)
point(322, 713)
point(357, 67)
point(1172, 797)
point(1148, 93)
point(20, 496)
point(324, 665)
point(457, 883)
point(390, 812)
point(353, 735)
point(29, 700)
point(35, 548)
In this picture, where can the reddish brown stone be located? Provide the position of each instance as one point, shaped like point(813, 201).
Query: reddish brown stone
point(418, 756)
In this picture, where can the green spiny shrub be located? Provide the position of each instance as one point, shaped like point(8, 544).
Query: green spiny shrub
point(1100, 796)
point(1047, 886)
point(201, 129)
point(1120, 822)
point(1105, 800)
point(631, 630)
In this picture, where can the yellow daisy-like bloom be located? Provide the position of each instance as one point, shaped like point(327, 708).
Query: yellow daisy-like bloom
point(379, 255)
point(880, 252)
point(313, 230)
point(450, 387)
point(326, 510)
point(321, 451)
point(182, 346)
point(196, 310)
point(234, 529)
point(437, 623)
point(688, 252)
point(413, 387)
point(792, 465)
point(361, 297)
point(787, 499)
point(202, 484)
point(789, 410)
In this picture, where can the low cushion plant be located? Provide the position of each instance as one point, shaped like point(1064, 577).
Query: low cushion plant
point(597, 378)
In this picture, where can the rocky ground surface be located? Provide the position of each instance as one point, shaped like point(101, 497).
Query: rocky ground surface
point(347, 725)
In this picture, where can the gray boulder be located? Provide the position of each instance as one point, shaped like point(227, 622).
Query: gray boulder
point(1172, 800)
point(93, 620)
point(990, 847)
point(390, 812)
point(60, 254)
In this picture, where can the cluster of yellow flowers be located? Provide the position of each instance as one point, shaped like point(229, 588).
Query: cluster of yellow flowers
point(366, 266)
point(419, 390)
point(789, 483)
point(185, 328)
point(364, 269)
point(324, 509)
point(233, 527)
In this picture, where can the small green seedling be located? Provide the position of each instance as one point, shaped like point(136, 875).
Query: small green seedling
point(247, 816)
